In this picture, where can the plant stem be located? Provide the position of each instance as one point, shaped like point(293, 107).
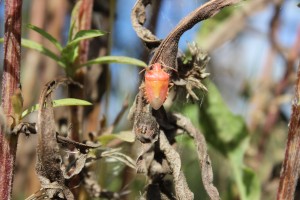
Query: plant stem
point(10, 82)
point(291, 164)
point(84, 19)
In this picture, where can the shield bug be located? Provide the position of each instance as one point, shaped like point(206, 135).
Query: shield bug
point(156, 85)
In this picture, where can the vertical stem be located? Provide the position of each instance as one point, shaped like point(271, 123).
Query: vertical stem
point(10, 82)
point(291, 165)
point(84, 19)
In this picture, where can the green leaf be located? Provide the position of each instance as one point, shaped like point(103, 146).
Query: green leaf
point(127, 136)
point(83, 35)
point(71, 102)
point(17, 103)
point(115, 59)
point(69, 55)
point(73, 20)
point(246, 180)
point(40, 48)
point(70, 52)
point(228, 134)
point(224, 130)
point(58, 103)
point(46, 35)
point(36, 46)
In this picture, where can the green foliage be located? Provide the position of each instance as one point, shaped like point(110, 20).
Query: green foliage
point(46, 35)
point(68, 55)
point(115, 59)
point(17, 104)
point(127, 136)
point(227, 133)
point(58, 103)
point(43, 50)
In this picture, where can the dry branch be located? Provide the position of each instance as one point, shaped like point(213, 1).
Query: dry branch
point(181, 187)
point(291, 165)
point(204, 160)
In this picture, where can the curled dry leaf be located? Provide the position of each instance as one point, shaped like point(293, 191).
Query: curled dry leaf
point(138, 18)
point(48, 164)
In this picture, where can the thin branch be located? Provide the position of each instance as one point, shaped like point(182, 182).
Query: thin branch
point(204, 160)
point(182, 189)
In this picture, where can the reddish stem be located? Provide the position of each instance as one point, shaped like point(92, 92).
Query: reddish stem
point(10, 82)
point(84, 19)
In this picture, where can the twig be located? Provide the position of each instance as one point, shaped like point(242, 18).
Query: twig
point(204, 160)
point(181, 187)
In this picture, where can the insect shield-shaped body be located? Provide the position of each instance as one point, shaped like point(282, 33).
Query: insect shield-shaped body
point(156, 85)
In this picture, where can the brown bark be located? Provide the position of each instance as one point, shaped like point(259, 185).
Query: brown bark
point(291, 165)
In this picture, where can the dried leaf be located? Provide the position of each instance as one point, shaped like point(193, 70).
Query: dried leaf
point(48, 164)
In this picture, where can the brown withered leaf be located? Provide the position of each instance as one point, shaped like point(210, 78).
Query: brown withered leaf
point(48, 164)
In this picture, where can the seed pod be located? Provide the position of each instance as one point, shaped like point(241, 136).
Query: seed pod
point(156, 85)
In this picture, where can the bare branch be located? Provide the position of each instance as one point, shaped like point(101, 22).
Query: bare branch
point(204, 160)
point(181, 187)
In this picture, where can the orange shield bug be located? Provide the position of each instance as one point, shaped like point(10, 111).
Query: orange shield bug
point(156, 85)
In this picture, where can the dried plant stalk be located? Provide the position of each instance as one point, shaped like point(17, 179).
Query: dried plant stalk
point(10, 83)
point(291, 165)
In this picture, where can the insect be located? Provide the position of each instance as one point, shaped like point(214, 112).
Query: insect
point(156, 85)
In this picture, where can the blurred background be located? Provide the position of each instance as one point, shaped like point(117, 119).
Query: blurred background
point(254, 49)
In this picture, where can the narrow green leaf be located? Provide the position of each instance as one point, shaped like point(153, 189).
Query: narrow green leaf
point(46, 35)
point(29, 110)
point(85, 34)
point(126, 136)
point(58, 103)
point(36, 46)
point(115, 59)
point(73, 20)
point(71, 102)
